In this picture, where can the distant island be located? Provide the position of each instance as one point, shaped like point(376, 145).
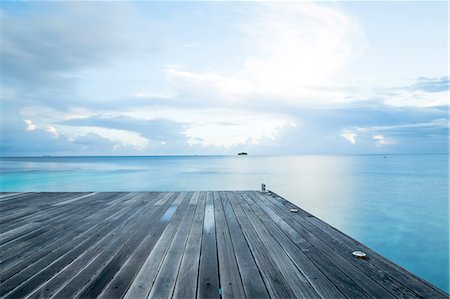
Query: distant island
point(242, 154)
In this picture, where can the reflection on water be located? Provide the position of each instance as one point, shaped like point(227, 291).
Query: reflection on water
point(397, 205)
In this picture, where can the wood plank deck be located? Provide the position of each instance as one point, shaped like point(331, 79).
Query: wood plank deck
point(230, 244)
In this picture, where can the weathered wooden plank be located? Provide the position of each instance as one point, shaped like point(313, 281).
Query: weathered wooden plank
point(323, 286)
point(99, 260)
point(186, 283)
point(41, 199)
point(165, 281)
point(81, 229)
point(297, 282)
point(20, 198)
point(161, 218)
point(391, 276)
point(8, 226)
point(310, 233)
point(252, 281)
point(12, 213)
point(137, 245)
point(8, 195)
point(208, 277)
point(33, 211)
point(230, 278)
point(86, 259)
point(274, 280)
point(43, 229)
point(74, 199)
point(143, 281)
point(345, 284)
point(14, 233)
point(56, 227)
point(121, 282)
point(39, 272)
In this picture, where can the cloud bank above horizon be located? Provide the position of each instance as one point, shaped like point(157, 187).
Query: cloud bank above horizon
point(153, 78)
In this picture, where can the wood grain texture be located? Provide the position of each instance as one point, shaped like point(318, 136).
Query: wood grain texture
point(204, 244)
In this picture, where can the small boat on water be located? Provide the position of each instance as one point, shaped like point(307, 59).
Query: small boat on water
point(242, 154)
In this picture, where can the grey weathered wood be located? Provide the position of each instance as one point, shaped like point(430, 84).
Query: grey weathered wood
point(37, 273)
point(275, 282)
point(186, 283)
point(143, 282)
point(230, 278)
point(297, 282)
point(61, 221)
point(346, 285)
point(119, 285)
point(390, 275)
point(343, 259)
point(102, 261)
point(80, 230)
point(158, 219)
point(232, 244)
point(208, 277)
point(74, 199)
point(89, 257)
point(359, 278)
point(313, 274)
point(252, 281)
point(165, 281)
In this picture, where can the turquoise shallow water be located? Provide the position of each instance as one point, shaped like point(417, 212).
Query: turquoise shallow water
point(397, 205)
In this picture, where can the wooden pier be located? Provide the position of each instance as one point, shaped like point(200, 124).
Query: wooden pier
point(231, 244)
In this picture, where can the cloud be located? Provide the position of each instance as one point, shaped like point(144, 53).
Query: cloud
point(151, 95)
point(423, 92)
point(381, 140)
point(160, 130)
point(52, 131)
point(350, 137)
point(270, 78)
point(30, 125)
point(424, 129)
point(432, 84)
point(191, 44)
point(49, 48)
point(294, 46)
point(205, 127)
point(16, 140)
point(403, 135)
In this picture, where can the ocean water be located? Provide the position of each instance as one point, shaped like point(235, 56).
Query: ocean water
point(397, 205)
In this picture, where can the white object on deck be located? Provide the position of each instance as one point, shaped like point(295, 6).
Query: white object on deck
point(293, 210)
point(359, 254)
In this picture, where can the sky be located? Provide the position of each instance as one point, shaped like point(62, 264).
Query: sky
point(218, 78)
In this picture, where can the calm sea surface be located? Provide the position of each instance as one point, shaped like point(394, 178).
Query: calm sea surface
point(397, 205)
